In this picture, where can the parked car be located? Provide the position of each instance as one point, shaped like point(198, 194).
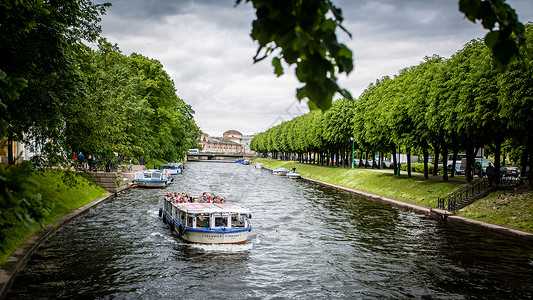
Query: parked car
point(387, 165)
point(458, 170)
point(510, 172)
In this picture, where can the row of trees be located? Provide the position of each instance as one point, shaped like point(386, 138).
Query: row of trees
point(77, 99)
point(438, 107)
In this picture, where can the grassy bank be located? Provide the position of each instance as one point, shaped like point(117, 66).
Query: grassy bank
point(512, 209)
point(58, 196)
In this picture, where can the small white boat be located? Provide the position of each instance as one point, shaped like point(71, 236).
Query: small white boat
point(152, 179)
point(207, 223)
point(293, 175)
point(258, 165)
point(280, 171)
point(173, 169)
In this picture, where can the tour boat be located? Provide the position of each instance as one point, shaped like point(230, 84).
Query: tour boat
point(152, 179)
point(293, 175)
point(280, 171)
point(207, 223)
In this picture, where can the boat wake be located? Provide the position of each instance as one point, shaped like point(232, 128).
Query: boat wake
point(227, 248)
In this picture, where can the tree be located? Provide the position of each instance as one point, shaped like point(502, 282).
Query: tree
point(302, 33)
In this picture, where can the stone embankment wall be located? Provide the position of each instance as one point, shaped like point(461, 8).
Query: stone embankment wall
point(114, 182)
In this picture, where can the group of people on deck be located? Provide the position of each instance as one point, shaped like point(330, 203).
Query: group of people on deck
point(186, 198)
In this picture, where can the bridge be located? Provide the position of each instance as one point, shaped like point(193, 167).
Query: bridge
point(218, 156)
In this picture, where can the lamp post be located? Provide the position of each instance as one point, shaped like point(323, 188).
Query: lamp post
point(353, 150)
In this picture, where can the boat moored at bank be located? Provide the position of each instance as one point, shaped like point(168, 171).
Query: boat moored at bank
point(293, 175)
point(280, 171)
point(173, 169)
point(152, 179)
point(207, 223)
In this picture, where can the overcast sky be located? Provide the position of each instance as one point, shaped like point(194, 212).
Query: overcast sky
point(205, 47)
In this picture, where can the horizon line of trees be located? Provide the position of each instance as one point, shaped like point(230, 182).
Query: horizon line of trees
point(439, 107)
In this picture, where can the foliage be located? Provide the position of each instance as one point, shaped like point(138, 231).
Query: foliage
point(301, 33)
point(444, 105)
point(130, 108)
point(20, 201)
point(55, 194)
point(508, 41)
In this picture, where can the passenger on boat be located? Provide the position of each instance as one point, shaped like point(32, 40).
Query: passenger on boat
point(168, 196)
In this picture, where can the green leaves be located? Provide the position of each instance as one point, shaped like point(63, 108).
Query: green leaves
point(305, 37)
point(507, 43)
point(19, 200)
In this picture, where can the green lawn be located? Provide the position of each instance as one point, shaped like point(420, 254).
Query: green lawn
point(57, 195)
point(517, 213)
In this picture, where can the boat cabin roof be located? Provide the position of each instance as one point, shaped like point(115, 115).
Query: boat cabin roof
point(197, 208)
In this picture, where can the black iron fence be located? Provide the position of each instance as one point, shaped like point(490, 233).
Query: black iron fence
point(464, 196)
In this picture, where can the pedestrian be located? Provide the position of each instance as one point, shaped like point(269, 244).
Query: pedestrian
point(490, 173)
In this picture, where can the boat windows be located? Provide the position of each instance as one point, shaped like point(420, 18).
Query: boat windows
point(190, 220)
point(202, 220)
point(238, 220)
point(221, 221)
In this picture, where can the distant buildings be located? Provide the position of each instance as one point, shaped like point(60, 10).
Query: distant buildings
point(232, 141)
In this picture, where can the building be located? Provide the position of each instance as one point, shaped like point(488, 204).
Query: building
point(20, 151)
point(220, 145)
point(246, 139)
point(233, 135)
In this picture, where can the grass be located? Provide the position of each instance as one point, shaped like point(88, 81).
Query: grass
point(153, 162)
point(412, 189)
point(507, 208)
point(57, 195)
point(517, 213)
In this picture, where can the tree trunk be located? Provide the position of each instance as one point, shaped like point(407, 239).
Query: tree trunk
point(408, 162)
point(444, 161)
point(394, 160)
point(10, 155)
point(470, 159)
point(497, 149)
point(425, 152)
point(436, 161)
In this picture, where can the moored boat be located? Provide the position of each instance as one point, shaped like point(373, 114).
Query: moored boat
point(207, 223)
point(293, 175)
point(152, 179)
point(280, 171)
point(172, 168)
point(258, 165)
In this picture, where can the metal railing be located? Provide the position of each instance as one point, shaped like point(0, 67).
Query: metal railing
point(453, 201)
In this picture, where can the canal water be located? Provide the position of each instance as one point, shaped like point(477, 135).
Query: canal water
point(308, 242)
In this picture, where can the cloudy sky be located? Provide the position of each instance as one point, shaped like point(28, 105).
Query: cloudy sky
point(205, 47)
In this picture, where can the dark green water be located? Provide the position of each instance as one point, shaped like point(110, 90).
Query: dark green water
point(308, 242)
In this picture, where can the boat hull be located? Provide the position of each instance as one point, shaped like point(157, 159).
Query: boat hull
point(294, 175)
point(203, 237)
point(155, 184)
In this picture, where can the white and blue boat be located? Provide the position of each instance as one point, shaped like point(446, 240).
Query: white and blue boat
point(152, 179)
point(207, 223)
point(293, 175)
point(280, 171)
point(172, 168)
